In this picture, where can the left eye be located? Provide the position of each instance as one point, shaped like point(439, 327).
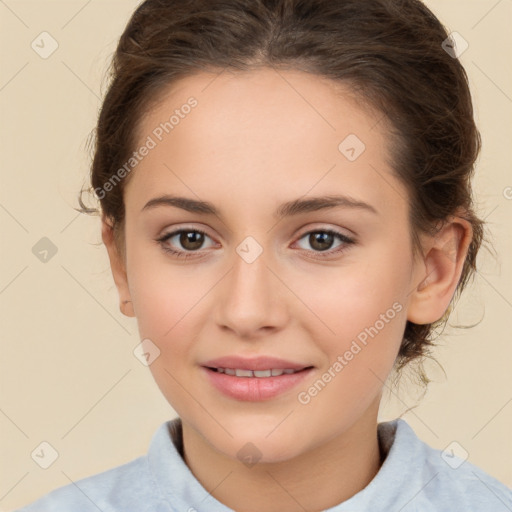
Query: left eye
point(323, 240)
point(192, 240)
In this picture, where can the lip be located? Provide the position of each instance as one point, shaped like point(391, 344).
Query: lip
point(254, 389)
point(254, 363)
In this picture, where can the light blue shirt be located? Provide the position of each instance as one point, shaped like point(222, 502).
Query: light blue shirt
point(413, 478)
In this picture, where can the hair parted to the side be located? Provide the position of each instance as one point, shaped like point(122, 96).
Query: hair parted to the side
point(388, 52)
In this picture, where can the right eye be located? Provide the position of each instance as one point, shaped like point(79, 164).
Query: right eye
point(190, 239)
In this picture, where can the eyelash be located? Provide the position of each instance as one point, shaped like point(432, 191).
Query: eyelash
point(189, 254)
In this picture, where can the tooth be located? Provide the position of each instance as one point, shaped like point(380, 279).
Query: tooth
point(244, 373)
point(262, 373)
point(256, 373)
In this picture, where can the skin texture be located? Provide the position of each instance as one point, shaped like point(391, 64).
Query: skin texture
point(254, 141)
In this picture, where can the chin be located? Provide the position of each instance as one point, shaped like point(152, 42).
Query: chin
point(257, 447)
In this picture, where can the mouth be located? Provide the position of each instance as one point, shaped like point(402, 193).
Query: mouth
point(255, 385)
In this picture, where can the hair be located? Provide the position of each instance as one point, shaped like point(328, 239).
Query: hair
point(388, 52)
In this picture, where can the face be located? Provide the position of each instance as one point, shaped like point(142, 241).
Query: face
point(323, 288)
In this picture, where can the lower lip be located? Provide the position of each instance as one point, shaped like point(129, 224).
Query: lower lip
point(255, 389)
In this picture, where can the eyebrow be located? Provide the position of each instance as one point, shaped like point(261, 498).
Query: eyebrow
point(288, 209)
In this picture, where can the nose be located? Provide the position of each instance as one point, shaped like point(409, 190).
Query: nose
point(251, 299)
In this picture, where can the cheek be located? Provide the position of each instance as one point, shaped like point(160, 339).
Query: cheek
point(160, 291)
point(164, 308)
point(345, 301)
point(166, 305)
point(366, 321)
point(359, 321)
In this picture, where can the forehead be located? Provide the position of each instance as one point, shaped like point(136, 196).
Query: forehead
point(264, 132)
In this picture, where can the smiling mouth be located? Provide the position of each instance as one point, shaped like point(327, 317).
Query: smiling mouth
point(271, 372)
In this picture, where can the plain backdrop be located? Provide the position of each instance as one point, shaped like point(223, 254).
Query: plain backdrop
point(68, 374)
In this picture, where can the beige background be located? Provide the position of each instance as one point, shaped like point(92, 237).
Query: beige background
point(68, 373)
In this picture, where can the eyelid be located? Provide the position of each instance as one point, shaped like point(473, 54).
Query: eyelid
point(173, 231)
point(319, 226)
point(166, 235)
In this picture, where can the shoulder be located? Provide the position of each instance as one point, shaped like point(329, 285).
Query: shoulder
point(130, 487)
point(445, 481)
point(123, 484)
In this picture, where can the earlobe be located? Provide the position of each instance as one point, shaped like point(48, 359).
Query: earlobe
point(440, 272)
point(117, 266)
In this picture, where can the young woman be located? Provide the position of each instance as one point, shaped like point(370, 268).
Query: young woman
point(285, 191)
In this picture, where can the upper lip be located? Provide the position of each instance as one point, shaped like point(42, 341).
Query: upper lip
point(254, 363)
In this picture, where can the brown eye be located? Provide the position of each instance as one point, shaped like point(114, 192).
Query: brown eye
point(187, 242)
point(322, 240)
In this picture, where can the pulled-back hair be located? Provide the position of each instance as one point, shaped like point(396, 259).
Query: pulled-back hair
point(388, 52)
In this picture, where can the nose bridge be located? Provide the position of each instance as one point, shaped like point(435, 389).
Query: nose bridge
point(250, 299)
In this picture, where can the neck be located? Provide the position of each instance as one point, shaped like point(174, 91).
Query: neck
point(318, 479)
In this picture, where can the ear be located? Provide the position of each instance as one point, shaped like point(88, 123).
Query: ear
point(118, 269)
point(440, 271)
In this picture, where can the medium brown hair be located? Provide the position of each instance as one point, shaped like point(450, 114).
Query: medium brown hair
point(387, 51)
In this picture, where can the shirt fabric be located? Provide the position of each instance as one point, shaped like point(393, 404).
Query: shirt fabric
point(413, 478)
